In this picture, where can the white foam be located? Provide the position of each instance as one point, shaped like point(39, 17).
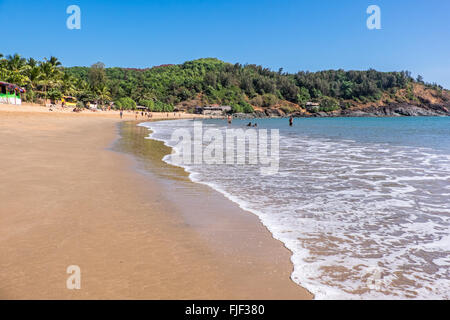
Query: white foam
point(343, 208)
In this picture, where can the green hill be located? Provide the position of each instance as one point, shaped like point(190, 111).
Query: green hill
point(247, 88)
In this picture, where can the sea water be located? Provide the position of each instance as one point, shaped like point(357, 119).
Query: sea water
point(362, 203)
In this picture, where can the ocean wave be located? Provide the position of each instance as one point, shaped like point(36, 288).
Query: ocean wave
point(363, 220)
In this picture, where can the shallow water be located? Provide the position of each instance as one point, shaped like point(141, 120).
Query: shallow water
point(361, 202)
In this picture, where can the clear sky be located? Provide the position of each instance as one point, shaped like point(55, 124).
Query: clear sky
point(294, 35)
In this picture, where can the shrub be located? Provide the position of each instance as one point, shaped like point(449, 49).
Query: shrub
point(148, 104)
point(287, 109)
point(269, 100)
point(236, 108)
point(159, 106)
point(328, 104)
point(54, 94)
point(257, 101)
point(246, 107)
point(125, 103)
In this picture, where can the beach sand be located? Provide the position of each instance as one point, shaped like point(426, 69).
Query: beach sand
point(135, 226)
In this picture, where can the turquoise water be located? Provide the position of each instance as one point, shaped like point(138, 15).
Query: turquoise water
point(427, 132)
point(362, 203)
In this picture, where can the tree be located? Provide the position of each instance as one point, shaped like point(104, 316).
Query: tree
point(303, 97)
point(328, 104)
point(69, 85)
point(103, 94)
point(49, 76)
point(125, 103)
point(97, 76)
point(149, 104)
point(420, 79)
point(16, 69)
point(347, 89)
point(54, 61)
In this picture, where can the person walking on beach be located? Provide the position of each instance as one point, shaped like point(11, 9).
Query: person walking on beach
point(121, 114)
point(291, 121)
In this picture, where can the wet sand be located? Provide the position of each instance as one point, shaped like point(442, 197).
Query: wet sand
point(137, 228)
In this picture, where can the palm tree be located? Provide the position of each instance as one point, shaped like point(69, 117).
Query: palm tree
point(15, 61)
point(34, 74)
point(68, 84)
point(2, 67)
point(49, 77)
point(17, 68)
point(103, 94)
point(54, 61)
point(82, 85)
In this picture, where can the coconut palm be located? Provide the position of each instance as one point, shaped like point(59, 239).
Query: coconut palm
point(2, 67)
point(50, 77)
point(54, 61)
point(68, 84)
point(34, 73)
point(103, 94)
point(17, 69)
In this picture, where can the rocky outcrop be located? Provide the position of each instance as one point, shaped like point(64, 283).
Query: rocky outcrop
point(390, 110)
point(399, 109)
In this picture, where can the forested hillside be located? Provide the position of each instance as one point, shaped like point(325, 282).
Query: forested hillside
point(247, 88)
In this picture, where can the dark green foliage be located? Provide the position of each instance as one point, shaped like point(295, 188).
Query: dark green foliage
point(162, 107)
point(228, 84)
point(328, 104)
point(54, 94)
point(125, 104)
point(208, 81)
point(149, 104)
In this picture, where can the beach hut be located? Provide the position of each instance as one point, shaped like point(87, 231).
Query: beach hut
point(213, 110)
point(69, 101)
point(10, 93)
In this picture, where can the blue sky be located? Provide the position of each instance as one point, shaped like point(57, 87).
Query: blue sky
point(294, 35)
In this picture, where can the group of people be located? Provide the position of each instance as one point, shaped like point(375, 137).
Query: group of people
point(291, 121)
point(146, 114)
point(143, 114)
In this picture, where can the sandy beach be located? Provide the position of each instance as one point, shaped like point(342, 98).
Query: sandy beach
point(85, 189)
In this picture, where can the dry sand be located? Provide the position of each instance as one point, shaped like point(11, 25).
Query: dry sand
point(67, 199)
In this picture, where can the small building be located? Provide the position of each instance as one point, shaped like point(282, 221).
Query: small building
point(11, 93)
point(213, 110)
point(312, 106)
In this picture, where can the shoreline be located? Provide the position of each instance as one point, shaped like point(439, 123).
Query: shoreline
point(221, 229)
point(72, 200)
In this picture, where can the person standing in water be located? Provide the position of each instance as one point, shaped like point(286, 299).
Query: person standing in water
point(229, 119)
point(291, 121)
